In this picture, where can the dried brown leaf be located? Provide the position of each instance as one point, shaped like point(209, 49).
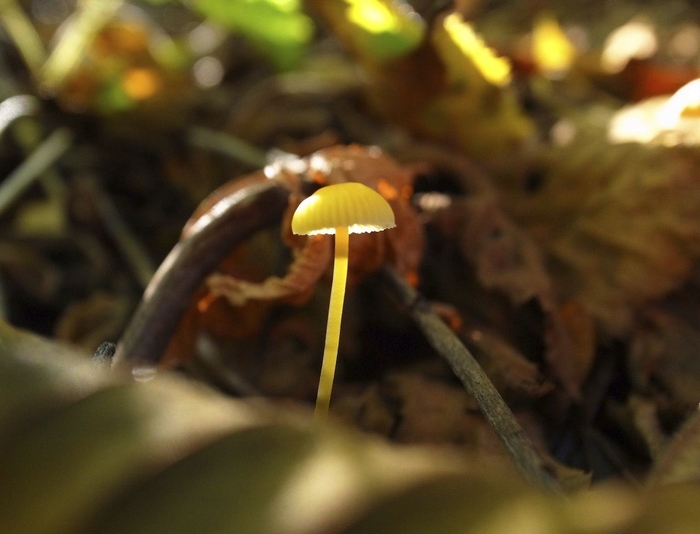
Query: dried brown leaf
point(430, 411)
point(619, 224)
point(639, 419)
point(579, 328)
point(401, 246)
point(308, 267)
point(507, 260)
point(511, 373)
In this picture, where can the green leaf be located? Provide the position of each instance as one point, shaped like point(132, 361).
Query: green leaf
point(278, 27)
point(384, 29)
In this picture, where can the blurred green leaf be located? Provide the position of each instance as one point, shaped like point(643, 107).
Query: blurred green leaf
point(278, 27)
point(376, 30)
point(384, 29)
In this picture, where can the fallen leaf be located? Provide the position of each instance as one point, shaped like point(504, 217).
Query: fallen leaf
point(513, 375)
point(618, 224)
point(507, 260)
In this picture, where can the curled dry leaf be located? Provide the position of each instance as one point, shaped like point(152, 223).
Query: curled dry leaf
point(253, 261)
point(244, 278)
point(401, 246)
point(308, 266)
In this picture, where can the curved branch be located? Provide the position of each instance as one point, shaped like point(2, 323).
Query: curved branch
point(226, 224)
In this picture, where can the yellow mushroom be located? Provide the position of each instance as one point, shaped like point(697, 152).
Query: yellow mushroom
point(339, 209)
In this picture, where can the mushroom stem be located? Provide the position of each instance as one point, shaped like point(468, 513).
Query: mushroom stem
point(335, 313)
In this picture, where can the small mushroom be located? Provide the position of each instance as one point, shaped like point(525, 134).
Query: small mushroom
point(339, 209)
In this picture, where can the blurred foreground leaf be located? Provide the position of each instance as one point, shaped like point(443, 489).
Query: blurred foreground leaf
point(84, 451)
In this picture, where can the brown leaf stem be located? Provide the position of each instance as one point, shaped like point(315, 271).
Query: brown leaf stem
point(475, 381)
point(229, 222)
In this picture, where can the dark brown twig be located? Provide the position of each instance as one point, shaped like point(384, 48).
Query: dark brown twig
point(477, 384)
point(41, 159)
point(226, 224)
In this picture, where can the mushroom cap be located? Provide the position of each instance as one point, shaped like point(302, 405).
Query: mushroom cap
point(352, 205)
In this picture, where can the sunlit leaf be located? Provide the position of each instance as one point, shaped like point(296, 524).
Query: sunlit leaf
point(376, 30)
point(384, 29)
point(278, 27)
point(471, 49)
point(478, 110)
point(551, 48)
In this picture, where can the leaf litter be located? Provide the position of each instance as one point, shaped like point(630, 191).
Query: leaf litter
point(568, 270)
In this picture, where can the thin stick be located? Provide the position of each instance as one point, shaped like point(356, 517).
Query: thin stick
point(34, 166)
point(129, 245)
point(475, 381)
point(230, 222)
point(229, 145)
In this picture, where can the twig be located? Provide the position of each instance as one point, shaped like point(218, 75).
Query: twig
point(130, 247)
point(34, 166)
point(228, 223)
point(228, 145)
point(475, 381)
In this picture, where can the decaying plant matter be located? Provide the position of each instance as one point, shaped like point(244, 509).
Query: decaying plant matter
point(541, 280)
